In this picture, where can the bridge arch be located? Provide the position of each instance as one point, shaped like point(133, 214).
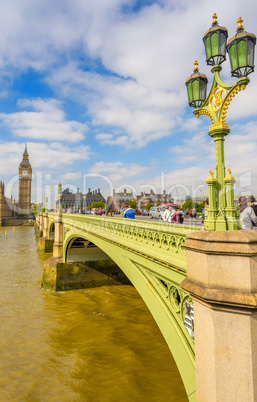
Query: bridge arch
point(51, 230)
point(139, 271)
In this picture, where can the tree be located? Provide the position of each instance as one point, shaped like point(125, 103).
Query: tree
point(97, 205)
point(36, 208)
point(148, 206)
point(158, 203)
point(190, 204)
point(132, 204)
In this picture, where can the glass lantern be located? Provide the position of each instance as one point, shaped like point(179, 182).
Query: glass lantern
point(241, 52)
point(196, 88)
point(215, 41)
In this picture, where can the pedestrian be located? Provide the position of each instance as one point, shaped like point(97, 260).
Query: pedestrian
point(251, 201)
point(168, 213)
point(203, 210)
point(177, 216)
point(129, 212)
point(247, 214)
point(193, 213)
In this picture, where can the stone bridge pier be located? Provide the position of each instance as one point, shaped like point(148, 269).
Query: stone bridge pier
point(82, 265)
point(222, 280)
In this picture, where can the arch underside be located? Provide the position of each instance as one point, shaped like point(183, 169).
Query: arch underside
point(51, 230)
point(159, 288)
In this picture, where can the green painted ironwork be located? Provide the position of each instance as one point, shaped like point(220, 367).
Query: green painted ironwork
point(221, 213)
point(152, 256)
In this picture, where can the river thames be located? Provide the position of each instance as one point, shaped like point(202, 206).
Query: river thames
point(99, 344)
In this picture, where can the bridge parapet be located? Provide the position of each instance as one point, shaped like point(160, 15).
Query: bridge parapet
point(154, 239)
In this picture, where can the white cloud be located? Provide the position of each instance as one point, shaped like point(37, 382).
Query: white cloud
point(141, 98)
point(47, 122)
point(47, 156)
point(198, 148)
point(117, 172)
point(72, 176)
point(131, 110)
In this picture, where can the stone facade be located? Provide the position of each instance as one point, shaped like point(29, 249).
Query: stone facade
point(79, 201)
point(25, 176)
point(151, 198)
point(117, 200)
point(9, 209)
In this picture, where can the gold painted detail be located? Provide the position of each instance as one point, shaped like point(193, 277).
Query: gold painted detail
point(196, 65)
point(227, 102)
point(211, 178)
point(214, 17)
point(203, 111)
point(239, 21)
point(229, 177)
point(216, 99)
point(219, 125)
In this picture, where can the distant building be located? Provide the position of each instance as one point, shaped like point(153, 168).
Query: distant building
point(9, 209)
point(151, 198)
point(25, 176)
point(117, 200)
point(79, 201)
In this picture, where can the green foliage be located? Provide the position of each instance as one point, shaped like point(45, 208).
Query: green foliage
point(21, 216)
point(190, 205)
point(158, 203)
point(97, 205)
point(201, 205)
point(148, 206)
point(36, 209)
point(132, 204)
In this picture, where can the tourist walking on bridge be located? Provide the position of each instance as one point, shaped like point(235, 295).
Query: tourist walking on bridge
point(129, 212)
point(168, 213)
point(247, 215)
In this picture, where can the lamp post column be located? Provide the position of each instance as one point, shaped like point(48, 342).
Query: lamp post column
point(232, 219)
point(219, 134)
point(211, 211)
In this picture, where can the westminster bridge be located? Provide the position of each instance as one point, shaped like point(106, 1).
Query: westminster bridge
point(200, 286)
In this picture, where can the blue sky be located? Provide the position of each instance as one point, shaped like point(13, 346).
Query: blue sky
point(97, 91)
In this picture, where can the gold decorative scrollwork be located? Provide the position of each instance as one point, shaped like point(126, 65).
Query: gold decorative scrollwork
point(203, 111)
point(227, 102)
point(216, 98)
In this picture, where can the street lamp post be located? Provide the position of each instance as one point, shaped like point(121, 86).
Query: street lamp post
point(221, 214)
point(59, 198)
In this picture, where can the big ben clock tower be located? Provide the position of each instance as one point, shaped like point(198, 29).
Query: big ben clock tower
point(25, 174)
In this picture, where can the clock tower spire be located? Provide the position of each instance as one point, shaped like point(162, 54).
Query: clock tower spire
point(25, 174)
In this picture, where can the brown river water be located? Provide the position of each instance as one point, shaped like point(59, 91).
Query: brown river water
point(99, 344)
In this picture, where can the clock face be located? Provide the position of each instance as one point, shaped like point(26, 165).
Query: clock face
point(24, 173)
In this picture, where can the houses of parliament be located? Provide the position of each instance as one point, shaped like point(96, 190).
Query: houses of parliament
point(9, 209)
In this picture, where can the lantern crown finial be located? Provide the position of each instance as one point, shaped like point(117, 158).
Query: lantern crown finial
point(229, 170)
point(214, 17)
point(196, 87)
point(240, 26)
point(211, 173)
